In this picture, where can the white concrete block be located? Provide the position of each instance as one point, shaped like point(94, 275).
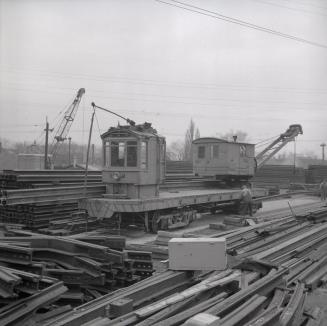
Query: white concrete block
point(197, 254)
point(203, 319)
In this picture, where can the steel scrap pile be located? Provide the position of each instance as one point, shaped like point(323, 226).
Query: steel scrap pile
point(48, 275)
point(274, 267)
point(36, 197)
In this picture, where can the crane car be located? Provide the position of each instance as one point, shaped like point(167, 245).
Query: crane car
point(235, 162)
point(134, 175)
point(62, 131)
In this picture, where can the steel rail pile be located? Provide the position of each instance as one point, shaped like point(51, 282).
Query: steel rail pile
point(316, 173)
point(278, 175)
point(179, 167)
point(34, 198)
point(37, 216)
point(36, 208)
point(50, 195)
point(21, 311)
point(86, 268)
point(42, 178)
point(265, 299)
point(273, 266)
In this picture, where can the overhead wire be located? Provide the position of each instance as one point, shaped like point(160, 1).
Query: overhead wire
point(304, 3)
point(151, 82)
point(216, 15)
point(290, 8)
point(251, 102)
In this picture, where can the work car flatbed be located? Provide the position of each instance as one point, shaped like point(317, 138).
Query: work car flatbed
point(166, 201)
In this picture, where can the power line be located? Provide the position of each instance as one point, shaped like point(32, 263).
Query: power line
point(230, 102)
point(153, 82)
point(303, 3)
point(125, 95)
point(216, 15)
point(290, 8)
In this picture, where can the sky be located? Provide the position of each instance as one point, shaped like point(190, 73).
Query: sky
point(153, 61)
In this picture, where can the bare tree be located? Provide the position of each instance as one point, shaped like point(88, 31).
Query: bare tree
point(183, 151)
point(189, 137)
point(197, 133)
point(175, 151)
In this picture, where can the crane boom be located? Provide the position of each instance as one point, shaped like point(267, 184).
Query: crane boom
point(289, 135)
point(63, 129)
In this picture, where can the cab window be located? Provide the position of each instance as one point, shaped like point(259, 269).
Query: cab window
point(131, 153)
point(215, 151)
point(242, 150)
point(144, 155)
point(201, 151)
point(117, 153)
point(106, 154)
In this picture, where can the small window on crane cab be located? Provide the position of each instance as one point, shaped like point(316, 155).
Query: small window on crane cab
point(144, 155)
point(243, 150)
point(117, 153)
point(201, 152)
point(215, 151)
point(131, 153)
point(106, 154)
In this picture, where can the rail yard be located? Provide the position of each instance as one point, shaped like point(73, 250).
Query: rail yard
point(162, 163)
point(147, 241)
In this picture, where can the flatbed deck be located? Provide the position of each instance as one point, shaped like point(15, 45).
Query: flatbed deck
point(106, 207)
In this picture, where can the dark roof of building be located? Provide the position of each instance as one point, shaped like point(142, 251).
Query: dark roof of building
point(205, 140)
point(141, 130)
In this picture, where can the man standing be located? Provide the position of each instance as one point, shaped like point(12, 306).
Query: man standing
point(246, 201)
point(323, 190)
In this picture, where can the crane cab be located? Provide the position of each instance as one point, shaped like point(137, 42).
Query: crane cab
point(134, 161)
point(223, 160)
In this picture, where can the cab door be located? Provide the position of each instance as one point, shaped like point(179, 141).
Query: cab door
point(233, 159)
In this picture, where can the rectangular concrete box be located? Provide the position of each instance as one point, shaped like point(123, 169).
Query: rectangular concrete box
point(197, 254)
point(121, 307)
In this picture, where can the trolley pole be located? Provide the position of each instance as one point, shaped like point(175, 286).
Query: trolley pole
point(87, 164)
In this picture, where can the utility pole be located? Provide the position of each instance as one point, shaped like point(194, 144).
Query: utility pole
point(69, 144)
point(46, 145)
point(294, 156)
point(323, 145)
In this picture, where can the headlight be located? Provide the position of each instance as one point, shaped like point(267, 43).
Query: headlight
point(116, 176)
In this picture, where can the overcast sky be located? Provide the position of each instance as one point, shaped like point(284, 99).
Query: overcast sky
point(154, 62)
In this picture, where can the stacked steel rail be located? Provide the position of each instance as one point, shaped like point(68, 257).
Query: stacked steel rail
point(278, 175)
point(22, 179)
point(35, 198)
point(316, 173)
point(179, 167)
point(48, 269)
point(272, 267)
